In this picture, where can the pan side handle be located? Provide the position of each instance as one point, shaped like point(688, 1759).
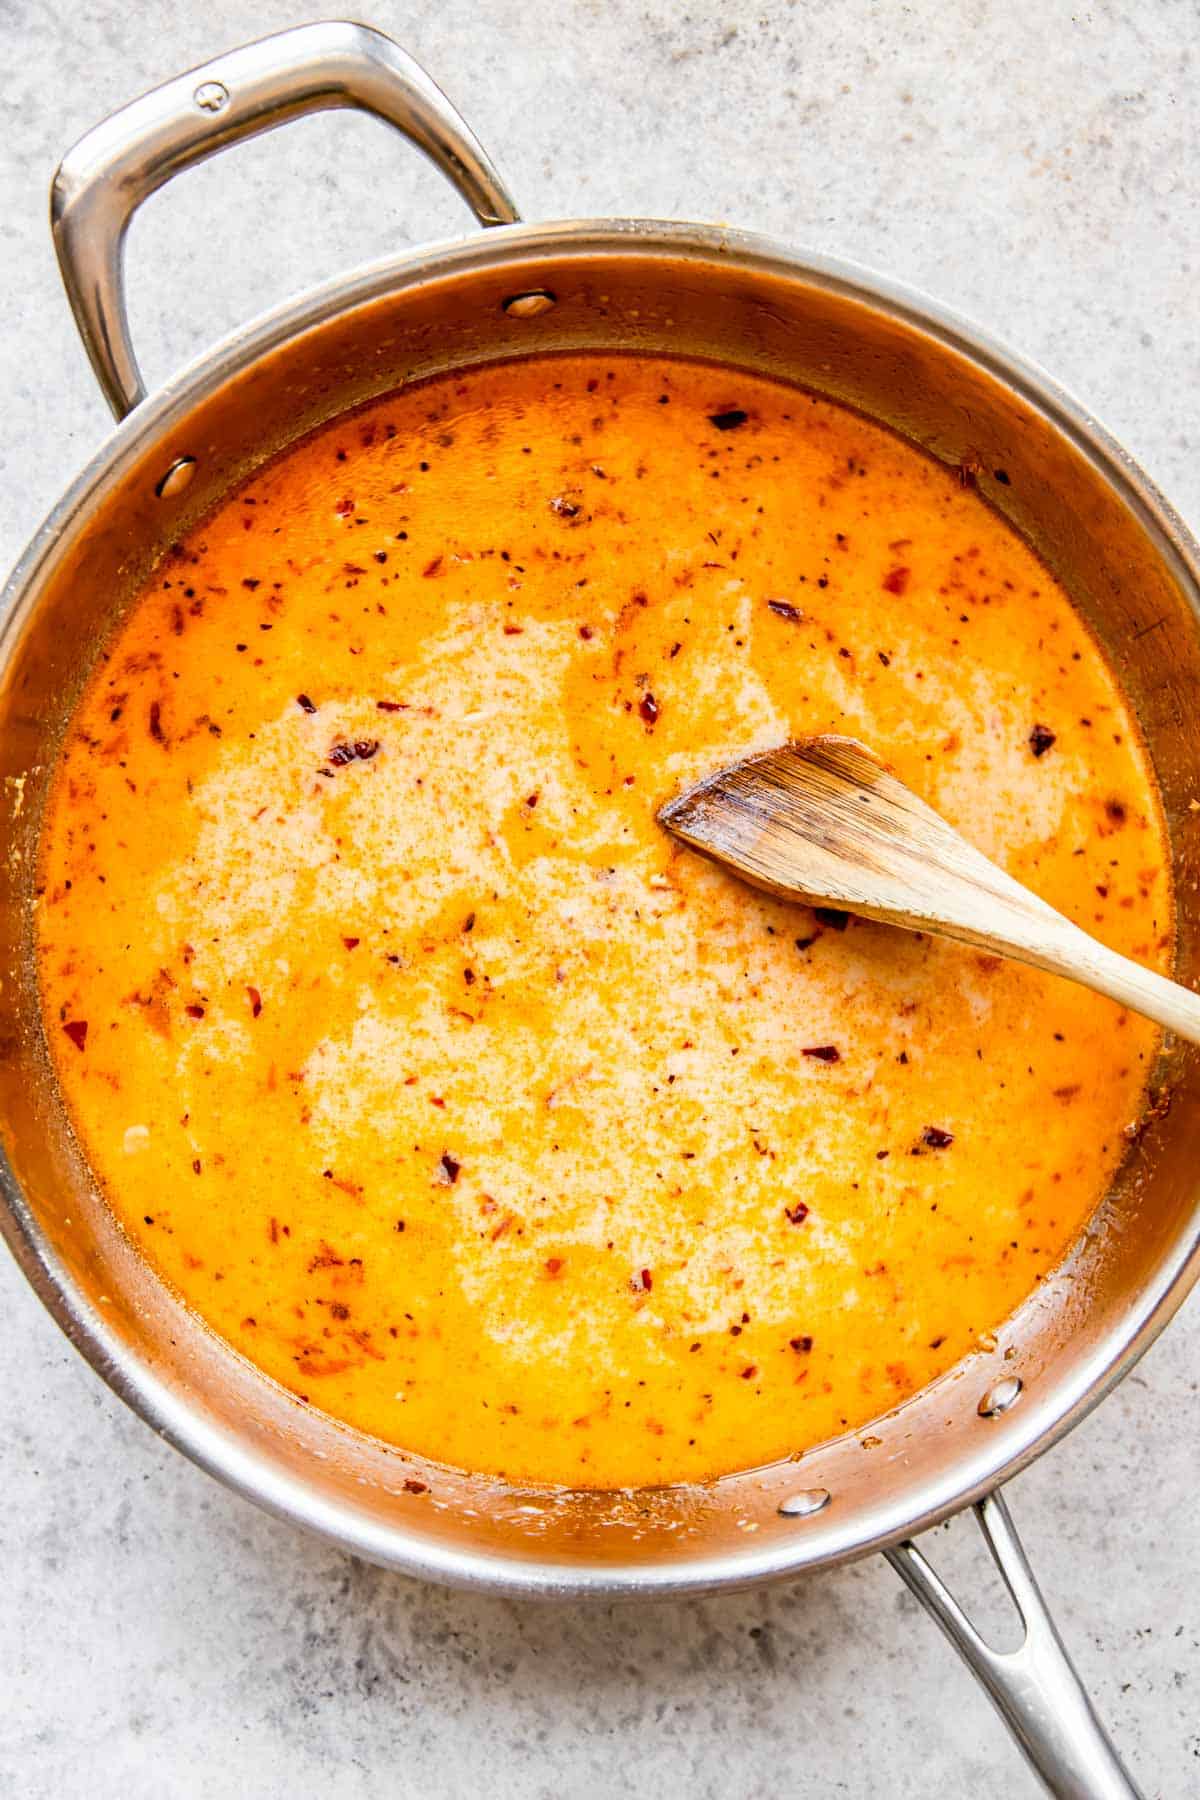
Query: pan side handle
point(104, 179)
point(1034, 1688)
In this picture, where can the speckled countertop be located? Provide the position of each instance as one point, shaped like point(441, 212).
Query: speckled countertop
point(1038, 168)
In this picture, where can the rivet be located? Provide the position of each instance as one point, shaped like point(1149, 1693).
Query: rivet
point(176, 478)
point(803, 1504)
point(211, 96)
point(1000, 1396)
point(530, 305)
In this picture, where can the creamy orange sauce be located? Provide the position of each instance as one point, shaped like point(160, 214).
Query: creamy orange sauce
point(434, 1075)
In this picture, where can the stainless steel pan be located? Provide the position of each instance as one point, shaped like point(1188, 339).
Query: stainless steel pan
point(512, 291)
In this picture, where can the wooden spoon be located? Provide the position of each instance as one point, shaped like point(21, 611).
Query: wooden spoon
point(826, 821)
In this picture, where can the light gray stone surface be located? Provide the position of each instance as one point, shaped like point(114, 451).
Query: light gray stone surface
point(1036, 166)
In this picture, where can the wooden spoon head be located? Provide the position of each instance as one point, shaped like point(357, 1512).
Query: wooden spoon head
point(821, 819)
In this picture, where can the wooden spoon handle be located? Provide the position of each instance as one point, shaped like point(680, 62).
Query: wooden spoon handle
point(1073, 953)
point(988, 908)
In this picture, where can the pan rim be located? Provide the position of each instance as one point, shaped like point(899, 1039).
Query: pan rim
point(237, 1465)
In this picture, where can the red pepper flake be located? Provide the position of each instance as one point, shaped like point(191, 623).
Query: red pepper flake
point(344, 507)
point(436, 1100)
point(362, 748)
point(1040, 739)
point(553, 1265)
point(156, 730)
point(896, 580)
point(784, 609)
point(305, 704)
point(412, 1486)
point(194, 1011)
point(390, 706)
point(586, 633)
point(76, 1030)
point(195, 1165)
point(351, 943)
point(801, 1345)
point(647, 1280)
point(255, 999)
point(936, 1138)
point(797, 1214)
point(728, 421)
point(649, 708)
point(749, 1372)
point(449, 1166)
point(832, 916)
point(1116, 811)
point(432, 568)
point(514, 631)
point(326, 1258)
point(531, 801)
point(826, 1053)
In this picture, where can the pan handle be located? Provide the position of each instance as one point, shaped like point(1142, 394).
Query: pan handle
point(104, 179)
point(1034, 1688)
